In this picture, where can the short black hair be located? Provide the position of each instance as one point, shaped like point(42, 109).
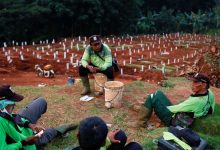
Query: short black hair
point(92, 133)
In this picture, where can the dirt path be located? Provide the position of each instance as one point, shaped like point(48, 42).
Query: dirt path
point(29, 78)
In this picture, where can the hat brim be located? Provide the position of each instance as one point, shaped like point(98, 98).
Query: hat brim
point(197, 80)
point(17, 98)
point(95, 42)
point(193, 79)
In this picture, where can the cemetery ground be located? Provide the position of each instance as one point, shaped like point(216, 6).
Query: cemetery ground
point(144, 57)
point(64, 106)
point(141, 59)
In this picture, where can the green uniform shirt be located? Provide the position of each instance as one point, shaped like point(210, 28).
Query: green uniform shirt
point(199, 105)
point(7, 128)
point(102, 63)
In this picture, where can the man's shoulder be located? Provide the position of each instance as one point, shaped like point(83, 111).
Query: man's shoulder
point(89, 50)
point(105, 46)
point(4, 116)
point(210, 92)
point(4, 120)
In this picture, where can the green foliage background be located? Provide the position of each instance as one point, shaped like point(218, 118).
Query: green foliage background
point(40, 19)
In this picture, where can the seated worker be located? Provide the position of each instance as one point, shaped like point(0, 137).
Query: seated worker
point(93, 135)
point(97, 57)
point(199, 104)
point(17, 131)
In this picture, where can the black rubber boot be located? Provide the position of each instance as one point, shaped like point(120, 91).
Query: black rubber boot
point(86, 86)
point(63, 129)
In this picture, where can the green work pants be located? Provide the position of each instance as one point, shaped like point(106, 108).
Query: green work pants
point(159, 102)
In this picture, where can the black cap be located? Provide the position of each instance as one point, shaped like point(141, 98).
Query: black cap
point(200, 77)
point(94, 39)
point(6, 92)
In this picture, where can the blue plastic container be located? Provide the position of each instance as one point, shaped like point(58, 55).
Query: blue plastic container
point(70, 80)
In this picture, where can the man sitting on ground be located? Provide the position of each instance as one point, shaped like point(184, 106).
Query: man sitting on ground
point(199, 104)
point(18, 131)
point(93, 135)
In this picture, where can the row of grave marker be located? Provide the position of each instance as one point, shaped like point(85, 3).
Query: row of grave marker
point(77, 61)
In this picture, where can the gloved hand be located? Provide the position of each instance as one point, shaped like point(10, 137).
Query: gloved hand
point(92, 69)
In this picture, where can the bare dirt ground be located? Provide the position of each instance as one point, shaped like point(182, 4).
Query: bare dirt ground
point(130, 96)
point(136, 55)
point(146, 51)
point(20, 78)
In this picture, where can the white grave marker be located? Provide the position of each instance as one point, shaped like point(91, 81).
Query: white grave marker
point(130, 60)
point(142, 67)
point(124, 62)
point(121, 71)
point(64, 55)
point(67, 66)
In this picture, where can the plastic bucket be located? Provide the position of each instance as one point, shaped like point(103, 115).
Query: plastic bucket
point(99, 82)
point(70, 80)
point(113, 94)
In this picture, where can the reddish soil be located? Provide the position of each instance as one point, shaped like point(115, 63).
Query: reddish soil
point(30, 78)
point(146, 51)
point(20, 78)
point(21, 72)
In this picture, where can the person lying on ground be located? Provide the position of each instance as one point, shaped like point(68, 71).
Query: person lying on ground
point(199, 104)
point(21, 131)
point(94, 135)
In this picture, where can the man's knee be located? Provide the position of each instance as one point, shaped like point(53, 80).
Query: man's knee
point(150, 101)
point(83, 71)
point(158, 92)
point(109, 73)
point(41, 102)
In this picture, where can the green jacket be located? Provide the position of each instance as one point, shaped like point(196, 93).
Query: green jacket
point(198, 104)
point(102, 63)
point(9, 130)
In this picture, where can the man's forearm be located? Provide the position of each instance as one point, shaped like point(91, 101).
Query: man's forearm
point(84, 63)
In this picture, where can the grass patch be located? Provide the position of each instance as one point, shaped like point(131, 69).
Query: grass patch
point(64, 107)
point(149, 142)
point(209, 125)
point(168, 69)
point(213, 141)
point(146, 62)
point(134, 65)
